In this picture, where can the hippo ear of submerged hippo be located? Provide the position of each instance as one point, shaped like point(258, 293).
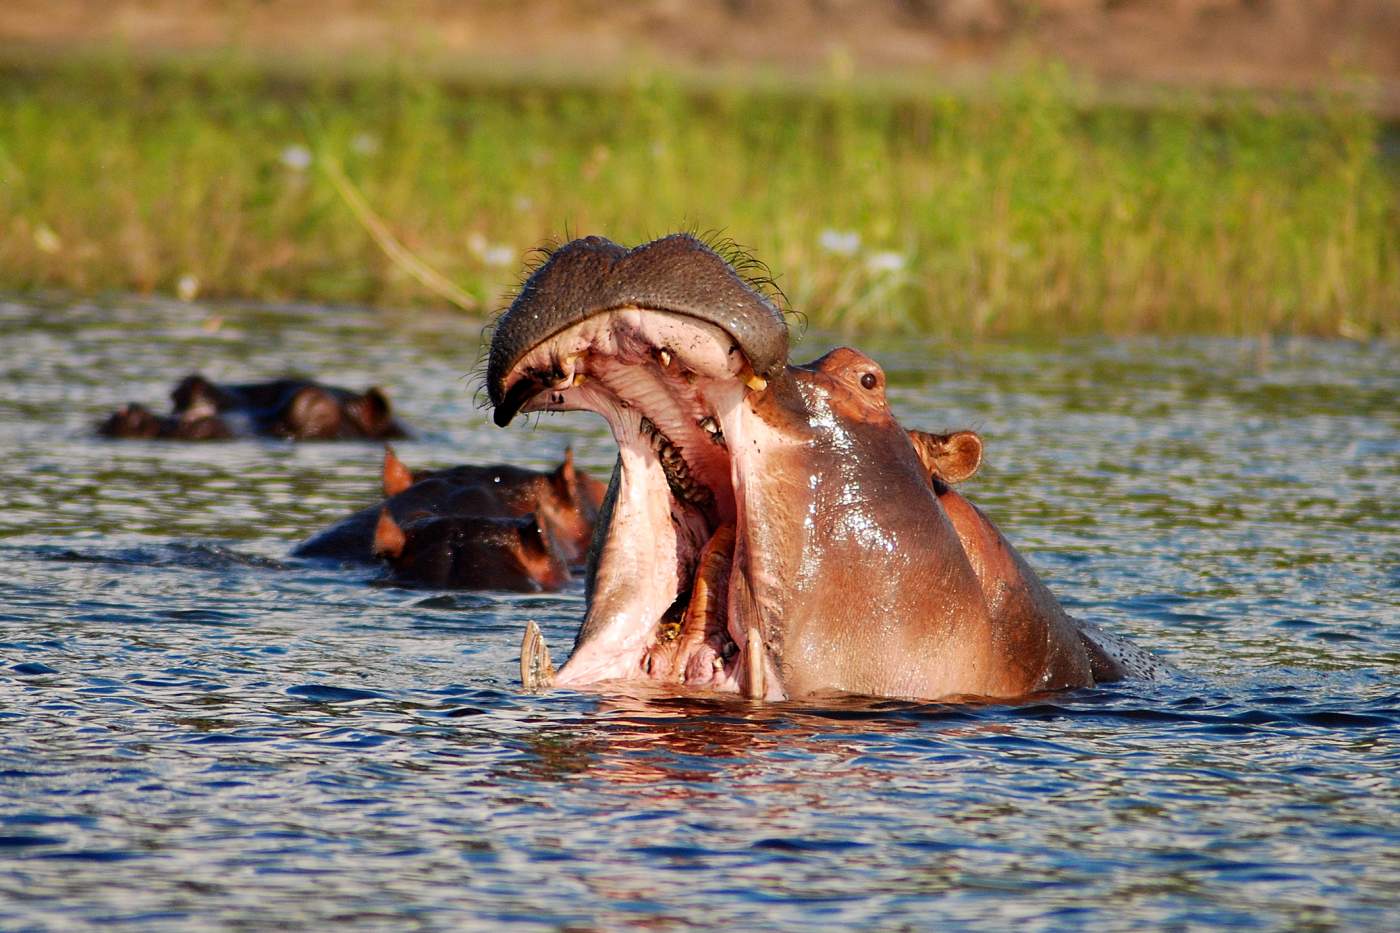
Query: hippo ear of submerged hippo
point(395, 477)
point(578, 490)
point(389, 537)
point(951, 458)
point(677, 274)
point(374, 414)
point(132, 420)
point(196, 394)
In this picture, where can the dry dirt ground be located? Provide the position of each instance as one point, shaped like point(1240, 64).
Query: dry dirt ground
point(1270, 44)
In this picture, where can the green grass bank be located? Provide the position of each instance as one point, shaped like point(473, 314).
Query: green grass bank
point(1010, 212)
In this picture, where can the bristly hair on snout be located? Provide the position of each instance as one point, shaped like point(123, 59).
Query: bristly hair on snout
point(754, 271)
point(751, 270)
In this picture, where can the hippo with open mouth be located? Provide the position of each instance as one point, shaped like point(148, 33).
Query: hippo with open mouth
point(770, 529)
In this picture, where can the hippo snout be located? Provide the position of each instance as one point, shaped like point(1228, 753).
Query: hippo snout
point(677, 274)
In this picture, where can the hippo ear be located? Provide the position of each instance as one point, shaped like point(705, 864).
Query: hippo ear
point(195, 393)
point(591, 493)
point(565, 478)
point(949, 457)
point(395, 477)
point(389, 538)
point(534, 536)
point(962, 456)
point(376, 409)
point(133, 420)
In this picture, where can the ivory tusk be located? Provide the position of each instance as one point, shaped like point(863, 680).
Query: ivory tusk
point(753, 672)
point(536, 670)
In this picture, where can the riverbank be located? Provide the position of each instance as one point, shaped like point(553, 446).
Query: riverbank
point(1015, 210)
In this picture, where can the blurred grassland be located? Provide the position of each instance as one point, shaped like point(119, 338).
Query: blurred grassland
point(1014, 211)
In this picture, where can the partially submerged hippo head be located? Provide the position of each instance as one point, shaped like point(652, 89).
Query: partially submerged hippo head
point(770, 529)
point(296, 409)
point(565, 500)
point(464, 551)
point(138, 421)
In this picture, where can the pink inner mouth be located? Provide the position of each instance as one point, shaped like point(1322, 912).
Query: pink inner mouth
point(673, 390)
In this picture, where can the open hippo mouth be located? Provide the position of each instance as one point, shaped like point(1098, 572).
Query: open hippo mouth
point(670, 345)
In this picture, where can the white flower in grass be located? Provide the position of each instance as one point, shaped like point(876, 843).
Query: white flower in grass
point(187, 288)
point(840, 242)
point(498, 256)
point(491, 254)
point(885, 261)
point(296, 158)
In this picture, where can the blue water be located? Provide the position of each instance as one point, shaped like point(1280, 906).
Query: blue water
point(198, 731)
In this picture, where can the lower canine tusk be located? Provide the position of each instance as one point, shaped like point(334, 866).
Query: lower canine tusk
point(756, 382)
point(536, 670)
point(753, 673)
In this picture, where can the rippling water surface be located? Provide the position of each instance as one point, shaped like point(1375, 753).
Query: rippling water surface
point(196, 729)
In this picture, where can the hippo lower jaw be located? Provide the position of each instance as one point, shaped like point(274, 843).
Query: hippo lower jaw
point(670, 599)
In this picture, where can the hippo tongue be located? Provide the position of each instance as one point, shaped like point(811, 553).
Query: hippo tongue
point(702, 617)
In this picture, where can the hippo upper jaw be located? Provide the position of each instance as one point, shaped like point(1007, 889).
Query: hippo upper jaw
point(670, 597)
point(677, 275)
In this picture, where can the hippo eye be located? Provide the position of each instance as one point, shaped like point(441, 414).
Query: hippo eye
point(869, 381)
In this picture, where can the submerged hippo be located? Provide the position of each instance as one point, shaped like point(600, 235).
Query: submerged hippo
point(769, 529)
point(463, 551)
point(564, 501)
point(295, 409)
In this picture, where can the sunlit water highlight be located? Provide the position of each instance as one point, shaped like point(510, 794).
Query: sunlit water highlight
point(197, 730)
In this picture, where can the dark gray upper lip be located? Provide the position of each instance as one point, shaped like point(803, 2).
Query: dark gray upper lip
point(677, 274)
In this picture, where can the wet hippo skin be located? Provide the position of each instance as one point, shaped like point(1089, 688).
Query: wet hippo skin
point(294, 409)
point(770, 529)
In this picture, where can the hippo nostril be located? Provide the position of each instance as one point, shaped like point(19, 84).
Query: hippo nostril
point(869, 381)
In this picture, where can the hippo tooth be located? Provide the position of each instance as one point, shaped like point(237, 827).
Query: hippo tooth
point(756, 382)
point(665, 356)
point(712, 427)
point(580, 379)
point(536, 669)
point(753, 675)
